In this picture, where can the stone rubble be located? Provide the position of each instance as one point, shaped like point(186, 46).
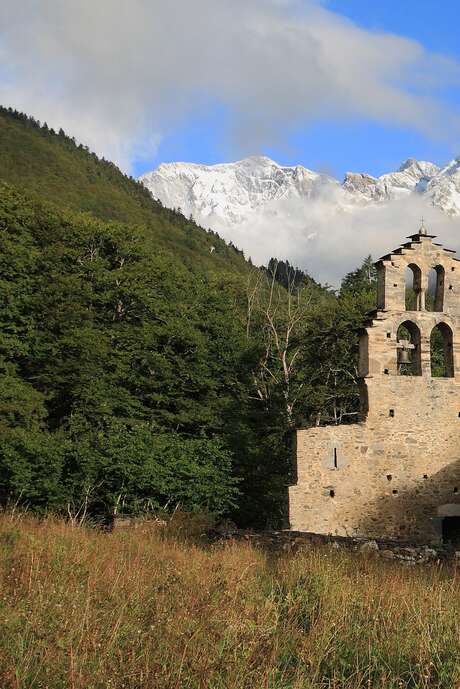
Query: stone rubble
point(292, 542)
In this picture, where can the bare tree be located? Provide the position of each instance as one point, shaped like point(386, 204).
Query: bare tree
point(78, 513)
point(281, 313)
point(338, 405)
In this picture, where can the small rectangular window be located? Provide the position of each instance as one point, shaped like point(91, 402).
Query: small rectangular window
point(331, 493)
point(386, 372)
point(425, 475)
point(395, 284)
point(395, 492)
point(388, 335)
point(392, 413)
point(455, 489)
point(389, 477)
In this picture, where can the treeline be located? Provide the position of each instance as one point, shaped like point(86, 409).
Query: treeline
point(50, 166)
point(104, 167)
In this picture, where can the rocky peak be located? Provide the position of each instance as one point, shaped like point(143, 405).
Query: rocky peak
point(229, 194)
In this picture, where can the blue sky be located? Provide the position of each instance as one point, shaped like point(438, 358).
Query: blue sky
point(338, 144)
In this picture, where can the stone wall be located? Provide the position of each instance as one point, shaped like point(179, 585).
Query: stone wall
point(396, 474)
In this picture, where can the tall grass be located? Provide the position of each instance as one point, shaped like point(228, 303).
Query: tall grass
point(81, 609)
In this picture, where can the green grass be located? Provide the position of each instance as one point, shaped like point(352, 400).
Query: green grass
point(145, 609)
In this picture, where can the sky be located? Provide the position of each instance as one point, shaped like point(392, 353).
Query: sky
point(337, 145)
point(335, 85)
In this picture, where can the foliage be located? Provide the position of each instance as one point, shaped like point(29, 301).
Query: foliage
point(106, 347)
point(437, 354)
point(288, 276)
point(146, 363)
point(362, 283)
point(106, 340)
point(50, 166)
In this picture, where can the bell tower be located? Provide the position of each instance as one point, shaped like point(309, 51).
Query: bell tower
point(396, 473)
point(410, 343)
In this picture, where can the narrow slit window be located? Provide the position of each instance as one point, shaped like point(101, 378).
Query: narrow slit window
point(335, 460)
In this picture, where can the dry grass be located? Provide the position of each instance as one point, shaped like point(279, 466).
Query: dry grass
point(85, 610)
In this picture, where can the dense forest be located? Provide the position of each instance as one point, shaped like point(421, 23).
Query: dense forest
point(145, 364)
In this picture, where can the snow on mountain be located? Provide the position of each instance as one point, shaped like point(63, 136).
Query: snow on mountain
point(233, 192)
point(312, 219)
point(412, 176)
point(443, 190)
point(230, 194)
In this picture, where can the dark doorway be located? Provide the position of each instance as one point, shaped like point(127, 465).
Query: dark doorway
point(451, 530)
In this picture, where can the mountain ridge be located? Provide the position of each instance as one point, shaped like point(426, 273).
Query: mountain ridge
point(234, 193)
point(51, 167)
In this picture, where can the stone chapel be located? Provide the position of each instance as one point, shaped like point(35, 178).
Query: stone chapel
point(396, 473)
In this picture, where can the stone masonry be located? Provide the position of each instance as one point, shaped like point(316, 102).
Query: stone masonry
point(396, 473)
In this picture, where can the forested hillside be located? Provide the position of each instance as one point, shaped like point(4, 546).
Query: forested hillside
point(52, 167)
point(144, 363)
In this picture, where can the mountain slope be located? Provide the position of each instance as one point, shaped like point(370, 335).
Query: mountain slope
point(444, 188)
point(231, 194)
point(51, 167)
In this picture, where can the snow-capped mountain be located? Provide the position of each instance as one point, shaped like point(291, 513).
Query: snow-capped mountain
point(412, 176)
point(234, 193)
point(231, 192)
point(443, 189)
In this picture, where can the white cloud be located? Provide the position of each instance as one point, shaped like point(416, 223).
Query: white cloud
point(119, 74)
point(321, 237)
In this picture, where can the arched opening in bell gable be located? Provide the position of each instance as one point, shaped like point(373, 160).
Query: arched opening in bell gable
point(408, 350)
point(434, 300)
point(442, 351)
point(413, 288)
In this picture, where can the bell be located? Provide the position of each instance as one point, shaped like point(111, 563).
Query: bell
point(404, 356)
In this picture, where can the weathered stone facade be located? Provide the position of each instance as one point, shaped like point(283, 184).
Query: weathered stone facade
point(395, 474)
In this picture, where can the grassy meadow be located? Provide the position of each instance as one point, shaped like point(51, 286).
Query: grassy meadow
point(155, 609)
